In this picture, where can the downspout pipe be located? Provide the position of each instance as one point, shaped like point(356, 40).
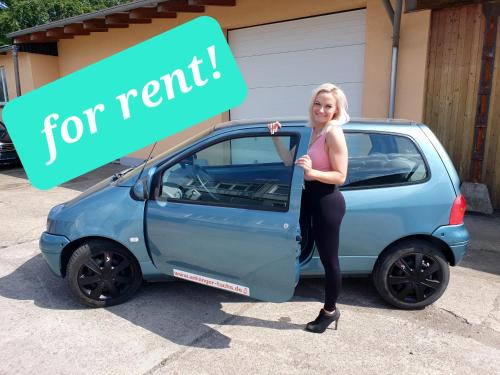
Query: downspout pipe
point(395, 17)
point(389, 10)
point(394, 61)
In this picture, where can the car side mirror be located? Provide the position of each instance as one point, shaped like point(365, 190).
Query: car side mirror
point(140, 190)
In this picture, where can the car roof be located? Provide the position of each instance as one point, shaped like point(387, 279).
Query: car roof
point(301, 121)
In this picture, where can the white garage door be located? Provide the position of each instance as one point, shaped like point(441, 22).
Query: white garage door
point(283, 62)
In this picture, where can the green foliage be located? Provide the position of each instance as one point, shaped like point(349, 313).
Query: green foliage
point(22, 14)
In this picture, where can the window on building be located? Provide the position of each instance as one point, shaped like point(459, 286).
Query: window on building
point(3, 86)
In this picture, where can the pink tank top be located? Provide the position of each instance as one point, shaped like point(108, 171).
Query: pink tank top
point(319, 155)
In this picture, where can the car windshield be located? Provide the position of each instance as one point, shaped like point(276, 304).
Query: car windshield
point(179, 146)
point(170, 151)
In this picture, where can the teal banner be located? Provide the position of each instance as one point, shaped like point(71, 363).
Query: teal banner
point(124, 103)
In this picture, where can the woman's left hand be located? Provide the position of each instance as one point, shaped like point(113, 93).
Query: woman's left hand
point(306, 163)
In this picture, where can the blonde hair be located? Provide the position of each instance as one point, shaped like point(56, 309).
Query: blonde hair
point(341, 116)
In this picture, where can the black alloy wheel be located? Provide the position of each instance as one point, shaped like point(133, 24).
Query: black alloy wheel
point(102, 273)
point(411, 275)
point(414, 277)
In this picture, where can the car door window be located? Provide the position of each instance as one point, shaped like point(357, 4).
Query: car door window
point(238, 172)
point(377, 160)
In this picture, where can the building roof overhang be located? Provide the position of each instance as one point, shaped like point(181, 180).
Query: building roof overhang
point(120, 16)
point(416, 5)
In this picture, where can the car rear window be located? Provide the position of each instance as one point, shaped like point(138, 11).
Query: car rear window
point(377, 159)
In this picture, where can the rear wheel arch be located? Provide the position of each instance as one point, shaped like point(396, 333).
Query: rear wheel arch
point(70, 248)
point(436, 242)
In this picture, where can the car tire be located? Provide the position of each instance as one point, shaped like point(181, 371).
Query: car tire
point(102, 273)
point(411, 275)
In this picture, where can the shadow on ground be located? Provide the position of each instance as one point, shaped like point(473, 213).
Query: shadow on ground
point(482, 260)
point(181, 312)
point(483, 253)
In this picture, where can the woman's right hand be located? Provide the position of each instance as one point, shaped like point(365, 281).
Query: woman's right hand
point(274, 127)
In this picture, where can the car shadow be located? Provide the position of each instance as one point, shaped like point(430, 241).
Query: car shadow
point(179, 311)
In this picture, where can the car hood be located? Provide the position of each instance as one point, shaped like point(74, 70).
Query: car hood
point(90, 192)
point(127, 180)
point(105, 210)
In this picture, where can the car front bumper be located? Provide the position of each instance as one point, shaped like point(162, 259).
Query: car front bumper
point(51, 246)
point(457, 238)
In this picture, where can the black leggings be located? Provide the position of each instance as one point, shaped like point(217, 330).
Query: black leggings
point(323, 206)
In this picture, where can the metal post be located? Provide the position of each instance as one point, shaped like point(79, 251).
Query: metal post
point(15, 49)
point(394, 60)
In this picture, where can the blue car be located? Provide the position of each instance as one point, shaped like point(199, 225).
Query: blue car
point(223, 210)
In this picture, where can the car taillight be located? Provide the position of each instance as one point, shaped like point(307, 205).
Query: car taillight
point(458, 211)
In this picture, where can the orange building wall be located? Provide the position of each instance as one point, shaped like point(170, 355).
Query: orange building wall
point(246, 13)
point(98, 46)
point(412, 63)
point(6, 63)
point(45, 69)
point(77, 53)
point(25, 73)
point(35, 70)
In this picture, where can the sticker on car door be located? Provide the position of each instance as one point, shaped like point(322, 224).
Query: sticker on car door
point(219, 284)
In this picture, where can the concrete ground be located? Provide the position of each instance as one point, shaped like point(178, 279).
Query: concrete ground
point(186, 328)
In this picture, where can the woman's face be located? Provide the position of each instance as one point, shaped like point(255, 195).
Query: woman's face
point(324, 108)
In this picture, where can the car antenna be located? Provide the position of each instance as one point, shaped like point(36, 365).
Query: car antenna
point(145, 162)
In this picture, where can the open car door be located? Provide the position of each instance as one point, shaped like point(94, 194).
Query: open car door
point(226, 215)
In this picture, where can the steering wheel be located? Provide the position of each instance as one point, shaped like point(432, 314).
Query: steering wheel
point(203, 177)
point(175, 191)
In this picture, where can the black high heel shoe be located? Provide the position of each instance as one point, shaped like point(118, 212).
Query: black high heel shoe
point(321, 323)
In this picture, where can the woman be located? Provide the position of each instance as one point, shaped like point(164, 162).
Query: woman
point(325, 168)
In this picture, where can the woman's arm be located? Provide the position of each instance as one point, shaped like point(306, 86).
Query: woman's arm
point(337, 153)
point(285, 154)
